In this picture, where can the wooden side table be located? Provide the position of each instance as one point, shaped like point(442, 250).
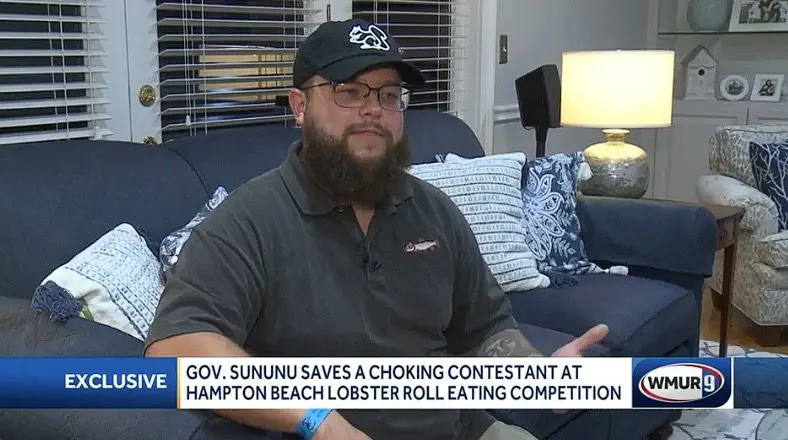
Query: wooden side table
point(728, 219)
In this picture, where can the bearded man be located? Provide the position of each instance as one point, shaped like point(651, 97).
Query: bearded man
point(310, 259)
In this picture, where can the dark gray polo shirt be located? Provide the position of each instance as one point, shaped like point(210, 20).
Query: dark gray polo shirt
point(282, 270)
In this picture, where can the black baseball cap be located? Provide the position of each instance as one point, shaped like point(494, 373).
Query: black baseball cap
point(339, 50)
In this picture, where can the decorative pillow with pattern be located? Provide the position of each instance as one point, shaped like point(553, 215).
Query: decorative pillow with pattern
point(487, 192)
point(550, 221)
point(172, 244)
point(115, 281)
point(769, 164)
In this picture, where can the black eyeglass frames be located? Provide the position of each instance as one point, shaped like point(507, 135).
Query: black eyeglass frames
point(394, 97)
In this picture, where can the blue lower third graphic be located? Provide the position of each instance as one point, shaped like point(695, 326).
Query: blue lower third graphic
point(85, 383)
point(681, 382)
point(760, 383)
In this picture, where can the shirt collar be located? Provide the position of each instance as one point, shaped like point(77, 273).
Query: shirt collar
point(314, 200)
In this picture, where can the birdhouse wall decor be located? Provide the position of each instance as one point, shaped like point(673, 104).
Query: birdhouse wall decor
point(700, 75)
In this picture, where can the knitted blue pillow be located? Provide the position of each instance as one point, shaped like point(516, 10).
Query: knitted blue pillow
point(551, 223)
point(769, 164)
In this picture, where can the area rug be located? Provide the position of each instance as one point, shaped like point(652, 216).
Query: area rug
point(737, 424)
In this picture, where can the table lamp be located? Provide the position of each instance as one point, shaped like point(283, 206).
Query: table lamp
point(617, 90)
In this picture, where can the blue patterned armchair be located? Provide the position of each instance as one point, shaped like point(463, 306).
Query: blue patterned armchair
point(760, 288)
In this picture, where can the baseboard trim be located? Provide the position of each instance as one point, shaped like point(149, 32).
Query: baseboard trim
point(506, 113)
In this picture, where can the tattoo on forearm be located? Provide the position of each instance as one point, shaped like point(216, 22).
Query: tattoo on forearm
point(508, 343)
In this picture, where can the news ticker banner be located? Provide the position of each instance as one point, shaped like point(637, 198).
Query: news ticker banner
point(395, 383)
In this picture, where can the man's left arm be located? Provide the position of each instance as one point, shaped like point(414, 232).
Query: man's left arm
point(509, 342)
point(482, 323)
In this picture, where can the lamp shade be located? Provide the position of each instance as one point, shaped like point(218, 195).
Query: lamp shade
point(617, 88)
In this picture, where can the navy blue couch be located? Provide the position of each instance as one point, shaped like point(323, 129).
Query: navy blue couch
point(59, 197)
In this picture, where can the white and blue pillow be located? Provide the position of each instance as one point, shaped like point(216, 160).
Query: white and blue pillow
point(487, 192)
point(171, 246)
point(550, 221)
point(115, 281)
point(769, 162)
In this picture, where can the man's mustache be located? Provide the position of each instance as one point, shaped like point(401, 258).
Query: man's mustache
point(375, 128)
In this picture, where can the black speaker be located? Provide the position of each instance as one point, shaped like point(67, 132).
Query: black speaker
point(539, 101)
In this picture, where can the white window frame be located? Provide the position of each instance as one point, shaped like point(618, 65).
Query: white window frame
point(478, 69)
point(143, 62)
point(107, 67)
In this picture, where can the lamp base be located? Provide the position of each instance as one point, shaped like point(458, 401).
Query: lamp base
point(619, 169)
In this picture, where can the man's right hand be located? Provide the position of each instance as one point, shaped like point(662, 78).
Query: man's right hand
point(335, 427)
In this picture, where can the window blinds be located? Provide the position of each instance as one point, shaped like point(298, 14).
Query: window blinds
point(51, 71)
point(222, 63)
point(433, 36)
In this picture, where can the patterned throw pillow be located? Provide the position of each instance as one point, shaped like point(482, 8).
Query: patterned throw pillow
point(487, 192)
point(172, 244)
point(114, 281)
point(769, 164)
point(550, 221)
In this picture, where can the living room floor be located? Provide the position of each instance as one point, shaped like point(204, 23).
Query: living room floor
point(737, 329)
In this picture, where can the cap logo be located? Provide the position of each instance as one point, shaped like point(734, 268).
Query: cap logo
point(370, 38)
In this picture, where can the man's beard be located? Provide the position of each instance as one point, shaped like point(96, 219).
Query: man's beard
point(331, 164)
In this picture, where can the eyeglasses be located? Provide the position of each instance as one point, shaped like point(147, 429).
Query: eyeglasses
point(394, 97)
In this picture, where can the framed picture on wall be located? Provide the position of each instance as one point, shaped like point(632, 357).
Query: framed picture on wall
point(767, 88)
point(759, 16)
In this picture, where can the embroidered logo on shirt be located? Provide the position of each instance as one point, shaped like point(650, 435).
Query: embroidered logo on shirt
point(421, 245)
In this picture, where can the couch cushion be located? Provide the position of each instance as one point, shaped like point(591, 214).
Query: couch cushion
point(773, 250)
point(434, 133)
point(230, 157)
point(646, 317)
point(59, 197)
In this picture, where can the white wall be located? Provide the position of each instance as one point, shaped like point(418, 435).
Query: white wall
point(539, 31)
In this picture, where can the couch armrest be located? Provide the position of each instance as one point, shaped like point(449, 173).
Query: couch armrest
point(28, 332)
point(664, 235)
point(25, 331)
point(772, 250)
point(761, 212)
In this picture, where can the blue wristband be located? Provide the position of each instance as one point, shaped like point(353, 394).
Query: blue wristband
point(312, 420)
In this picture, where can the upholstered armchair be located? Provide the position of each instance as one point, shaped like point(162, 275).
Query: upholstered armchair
point(760, 288)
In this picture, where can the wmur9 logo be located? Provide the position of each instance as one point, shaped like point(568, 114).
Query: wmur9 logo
point(681, 383)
